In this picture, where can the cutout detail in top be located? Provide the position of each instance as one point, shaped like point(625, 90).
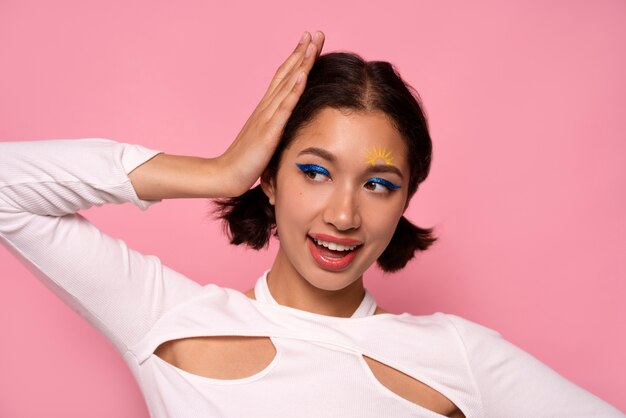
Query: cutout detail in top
point(221, 357)
point(412, 390)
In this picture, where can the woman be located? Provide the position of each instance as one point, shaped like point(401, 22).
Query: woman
point(340, 151)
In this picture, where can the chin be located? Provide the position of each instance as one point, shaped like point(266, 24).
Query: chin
point(331, 281)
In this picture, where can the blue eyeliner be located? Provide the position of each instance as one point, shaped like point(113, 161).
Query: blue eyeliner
point(383, 182)
point(305, 168)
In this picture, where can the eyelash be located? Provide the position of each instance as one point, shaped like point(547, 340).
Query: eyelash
point(386, 183)
point(308, 169)
point(313, 168)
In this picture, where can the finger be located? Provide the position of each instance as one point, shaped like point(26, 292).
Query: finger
point(282, 87)
point(313, 52)
point(294, 59)
point(286, 86)
point(285, 107)
point(276, 123)
point(284, 72)
point(318, 40)
point(310, 55)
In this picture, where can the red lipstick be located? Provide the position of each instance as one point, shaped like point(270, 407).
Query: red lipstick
point(329, 259)
point(336, 240)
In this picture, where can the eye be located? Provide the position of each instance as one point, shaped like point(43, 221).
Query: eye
point(314, 172)
point(378, 185)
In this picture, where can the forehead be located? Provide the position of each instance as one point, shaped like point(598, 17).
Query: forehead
point(350, 135)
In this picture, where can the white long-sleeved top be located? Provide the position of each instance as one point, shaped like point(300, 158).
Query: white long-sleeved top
point(318, 370)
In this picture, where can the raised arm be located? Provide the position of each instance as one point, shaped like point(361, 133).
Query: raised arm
point(235, 171)
point(121, 292)
point(43, 184)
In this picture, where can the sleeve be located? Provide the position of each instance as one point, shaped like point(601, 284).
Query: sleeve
point(513, 383)
point(43, 184)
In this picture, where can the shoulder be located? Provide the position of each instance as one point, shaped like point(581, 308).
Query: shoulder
point(455, 333)
point(451, 322)
point(438, 327)
point(467, 328)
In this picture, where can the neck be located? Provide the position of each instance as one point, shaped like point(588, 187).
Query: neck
point(289, 288)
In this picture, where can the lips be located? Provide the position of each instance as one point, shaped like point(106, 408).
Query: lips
point(334, 254)
point(336, 240)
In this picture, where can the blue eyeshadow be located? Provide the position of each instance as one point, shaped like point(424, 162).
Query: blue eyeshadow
point(313, 167)
point(386, 183)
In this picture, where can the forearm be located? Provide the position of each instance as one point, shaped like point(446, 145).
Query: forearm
point(167, 176)
point(61, 177)
point(175, 176)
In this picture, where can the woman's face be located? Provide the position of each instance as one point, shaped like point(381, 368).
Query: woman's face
point(340, 189)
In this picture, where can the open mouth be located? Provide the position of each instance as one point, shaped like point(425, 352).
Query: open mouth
point(331, 255)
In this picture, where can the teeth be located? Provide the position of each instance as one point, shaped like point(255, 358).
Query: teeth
point(335, 247)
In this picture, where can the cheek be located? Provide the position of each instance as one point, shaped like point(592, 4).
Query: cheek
point(382, 225)
point(381, 218)
point(295, 206)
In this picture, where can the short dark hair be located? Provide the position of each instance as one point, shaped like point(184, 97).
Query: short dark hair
point(343, 80)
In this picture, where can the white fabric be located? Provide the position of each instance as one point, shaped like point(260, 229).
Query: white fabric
point(318, 371)
point(262, 294)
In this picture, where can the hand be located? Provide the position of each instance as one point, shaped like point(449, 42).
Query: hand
point(167, 176)
point(247, 157)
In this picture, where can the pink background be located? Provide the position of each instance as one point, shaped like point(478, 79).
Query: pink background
point(526, 103)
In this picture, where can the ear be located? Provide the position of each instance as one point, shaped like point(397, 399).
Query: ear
point(268, 184)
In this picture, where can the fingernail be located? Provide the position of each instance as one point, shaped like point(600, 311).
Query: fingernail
point(318, 35)
point(304, 35)
point(309, 50)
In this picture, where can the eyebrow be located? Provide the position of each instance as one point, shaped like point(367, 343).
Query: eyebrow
point(319, 152)
point(384, 168)
point(378, 168)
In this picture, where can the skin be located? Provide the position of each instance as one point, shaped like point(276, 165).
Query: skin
point(345, 204)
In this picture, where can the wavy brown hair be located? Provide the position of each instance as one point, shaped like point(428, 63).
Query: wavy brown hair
point(344, 81)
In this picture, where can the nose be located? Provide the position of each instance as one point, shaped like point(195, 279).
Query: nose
point(342, 211)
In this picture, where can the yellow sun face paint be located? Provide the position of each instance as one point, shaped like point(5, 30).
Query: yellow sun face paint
point(376, 155)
